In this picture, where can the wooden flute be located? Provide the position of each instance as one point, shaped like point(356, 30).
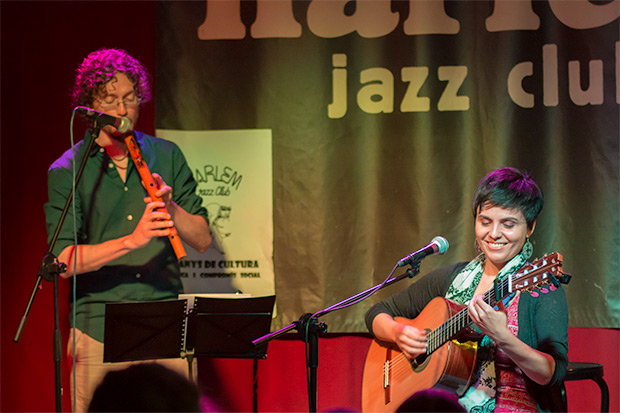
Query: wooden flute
point(151, 188)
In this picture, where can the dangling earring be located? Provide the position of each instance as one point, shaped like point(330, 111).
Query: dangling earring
point(528, 249)
point(481, 258)
point(477, 247)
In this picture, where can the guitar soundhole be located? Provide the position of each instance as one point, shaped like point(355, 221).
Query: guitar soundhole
point(419, 363)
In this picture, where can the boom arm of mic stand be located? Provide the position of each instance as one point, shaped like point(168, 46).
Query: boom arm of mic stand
point(310, 328)
point(50, 270)
point(410, 273)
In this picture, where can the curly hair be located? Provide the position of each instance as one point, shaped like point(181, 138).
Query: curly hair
point(100, 67)
point(512, 189)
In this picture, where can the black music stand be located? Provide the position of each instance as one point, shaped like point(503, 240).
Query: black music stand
point(144, 330)
point(226, 328)
point(209, 327)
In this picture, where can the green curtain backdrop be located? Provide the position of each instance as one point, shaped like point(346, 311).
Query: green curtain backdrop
point(386, 114)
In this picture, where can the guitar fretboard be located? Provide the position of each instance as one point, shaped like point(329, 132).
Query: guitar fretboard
point(461, 320)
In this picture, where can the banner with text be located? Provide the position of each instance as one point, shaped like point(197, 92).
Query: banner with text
point(386, 114)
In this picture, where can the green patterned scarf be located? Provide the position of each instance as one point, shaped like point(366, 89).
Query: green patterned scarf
point(462, 288)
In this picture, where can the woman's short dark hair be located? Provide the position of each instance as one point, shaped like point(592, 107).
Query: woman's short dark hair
point(100, 67)
point(512, 189)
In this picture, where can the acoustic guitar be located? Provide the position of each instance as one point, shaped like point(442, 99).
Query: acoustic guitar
point(390, 378)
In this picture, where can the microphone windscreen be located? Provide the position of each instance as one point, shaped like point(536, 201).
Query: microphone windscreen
point(125, 125)
point(442, 244)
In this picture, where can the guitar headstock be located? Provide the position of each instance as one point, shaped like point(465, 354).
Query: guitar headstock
point(543, 271)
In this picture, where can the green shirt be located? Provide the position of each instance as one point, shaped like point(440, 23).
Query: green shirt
point(108, 208)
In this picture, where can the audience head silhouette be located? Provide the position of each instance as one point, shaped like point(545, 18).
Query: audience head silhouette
point(431, 400)
point(145, 387)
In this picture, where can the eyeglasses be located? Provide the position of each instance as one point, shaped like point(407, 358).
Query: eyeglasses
point(110, 102)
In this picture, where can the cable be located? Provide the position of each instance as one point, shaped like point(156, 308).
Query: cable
point(340, 306)
point(75, 243)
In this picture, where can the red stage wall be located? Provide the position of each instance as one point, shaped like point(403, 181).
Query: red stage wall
point(42, 44)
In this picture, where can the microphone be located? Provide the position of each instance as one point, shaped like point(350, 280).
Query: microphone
point(122, 124)
point(438, 245)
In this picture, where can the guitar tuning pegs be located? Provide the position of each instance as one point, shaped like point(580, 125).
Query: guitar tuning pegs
point(565, 278)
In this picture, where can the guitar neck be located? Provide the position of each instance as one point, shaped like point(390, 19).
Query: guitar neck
point(545, 270)
point(461, 320)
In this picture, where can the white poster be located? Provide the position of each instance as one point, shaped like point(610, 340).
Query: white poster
point(233, 169)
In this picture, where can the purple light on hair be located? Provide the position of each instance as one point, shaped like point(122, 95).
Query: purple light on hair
point(100, 67)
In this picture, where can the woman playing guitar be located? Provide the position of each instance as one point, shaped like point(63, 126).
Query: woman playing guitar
point(520, 354)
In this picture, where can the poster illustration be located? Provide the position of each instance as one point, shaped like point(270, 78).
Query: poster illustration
point(233, 169)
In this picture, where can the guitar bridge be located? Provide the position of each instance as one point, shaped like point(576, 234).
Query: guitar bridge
point(386, 374)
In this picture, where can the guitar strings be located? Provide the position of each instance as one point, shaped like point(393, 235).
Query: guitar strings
point(452, 326)
point(460, 320)
point(399, 365)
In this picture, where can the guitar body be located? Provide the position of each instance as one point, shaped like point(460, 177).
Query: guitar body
point(390, 378)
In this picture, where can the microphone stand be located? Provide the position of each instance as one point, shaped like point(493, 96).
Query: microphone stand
point(49, 270)
point(309, 328)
